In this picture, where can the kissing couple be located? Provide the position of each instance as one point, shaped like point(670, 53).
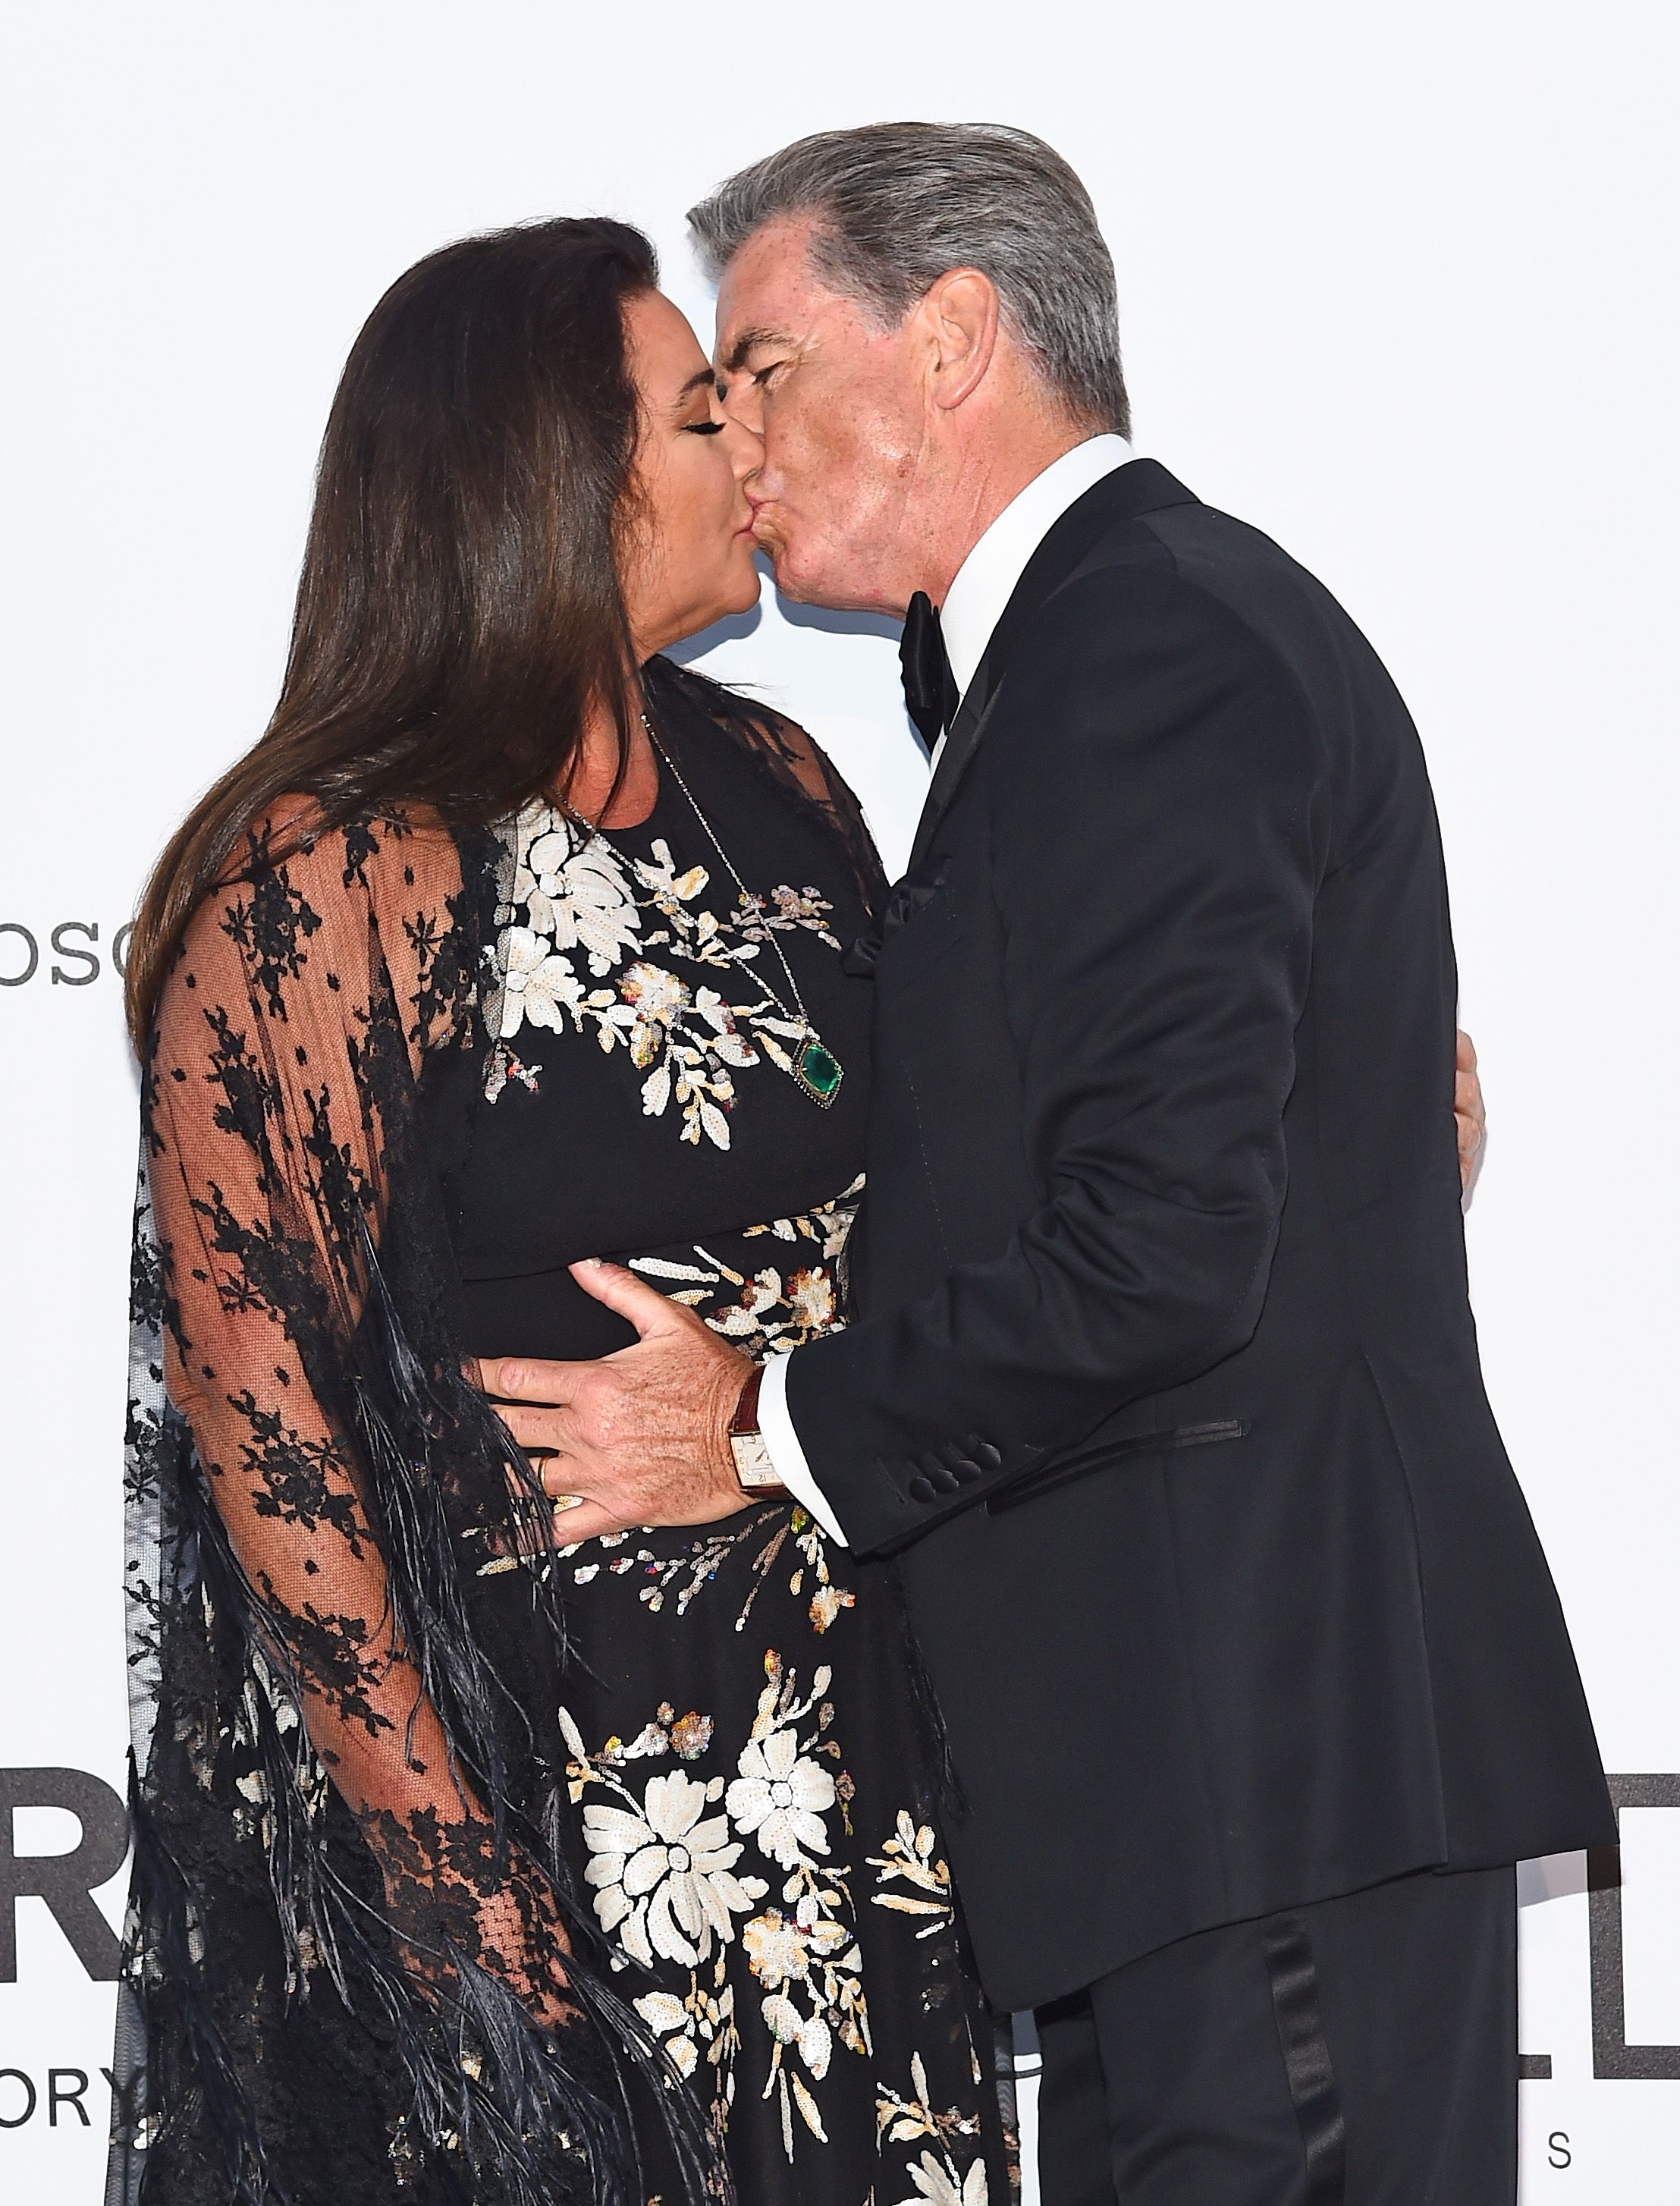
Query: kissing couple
point(642, 1651)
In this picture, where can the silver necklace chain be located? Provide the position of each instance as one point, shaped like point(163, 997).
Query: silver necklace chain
point(753, 903)
point(812, 1066)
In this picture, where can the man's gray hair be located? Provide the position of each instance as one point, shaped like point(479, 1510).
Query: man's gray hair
point(897, 204)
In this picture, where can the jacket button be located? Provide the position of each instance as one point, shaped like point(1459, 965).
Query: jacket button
point(989, 1457)
point(920, 1489)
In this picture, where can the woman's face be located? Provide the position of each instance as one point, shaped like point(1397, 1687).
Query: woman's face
point(689, 557)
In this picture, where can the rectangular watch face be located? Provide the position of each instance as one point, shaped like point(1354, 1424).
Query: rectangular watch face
point(753, 1466)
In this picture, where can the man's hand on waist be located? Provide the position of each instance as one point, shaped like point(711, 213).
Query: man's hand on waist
point(641, 1437)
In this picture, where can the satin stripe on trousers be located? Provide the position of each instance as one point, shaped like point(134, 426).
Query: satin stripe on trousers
point(1362, 2052)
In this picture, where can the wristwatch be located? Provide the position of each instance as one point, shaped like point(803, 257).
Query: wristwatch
point(752, 1466)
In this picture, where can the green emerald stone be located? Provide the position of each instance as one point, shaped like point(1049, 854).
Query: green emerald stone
point(819, 1069)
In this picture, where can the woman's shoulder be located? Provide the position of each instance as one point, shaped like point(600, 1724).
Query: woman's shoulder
point(305, 903)
point(387, 853)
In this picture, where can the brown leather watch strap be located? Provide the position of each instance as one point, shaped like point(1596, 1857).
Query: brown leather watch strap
point(753, 1466)
point(746, 1417)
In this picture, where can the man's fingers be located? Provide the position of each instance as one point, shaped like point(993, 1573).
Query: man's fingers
point(644, 1306)
point(1472, 1117)
point(588, 1521)
point(569, 1520)
point(1468, 1108)
point(539, 1432)
point(529, 1378)
point(1469, 1147)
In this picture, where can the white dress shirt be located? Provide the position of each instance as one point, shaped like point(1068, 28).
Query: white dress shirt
point(974, 605)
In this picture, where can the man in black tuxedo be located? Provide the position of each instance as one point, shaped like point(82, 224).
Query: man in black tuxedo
point(1164, 1388)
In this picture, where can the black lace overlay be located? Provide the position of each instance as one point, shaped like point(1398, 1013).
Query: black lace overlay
point(363, 1960)
point(335, 1853)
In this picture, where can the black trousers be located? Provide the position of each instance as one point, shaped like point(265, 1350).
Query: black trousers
point(1362, 2052)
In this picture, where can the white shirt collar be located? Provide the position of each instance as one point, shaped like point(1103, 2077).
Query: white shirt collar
point(986, 580)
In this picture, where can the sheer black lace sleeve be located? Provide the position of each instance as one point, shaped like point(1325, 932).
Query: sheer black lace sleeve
point(323, 1752)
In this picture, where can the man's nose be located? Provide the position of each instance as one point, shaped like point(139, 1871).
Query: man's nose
point(746, 449)
point(742, 402)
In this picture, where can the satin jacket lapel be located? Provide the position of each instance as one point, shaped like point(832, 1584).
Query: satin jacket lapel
point(961, 744)
point(1139, 487)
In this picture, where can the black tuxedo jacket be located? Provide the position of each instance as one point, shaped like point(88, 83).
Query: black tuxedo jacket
point(1163, 1387)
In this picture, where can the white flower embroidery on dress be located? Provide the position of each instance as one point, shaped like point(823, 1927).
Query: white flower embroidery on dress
point(625, 1848)
point(699, 2025)
point(902, 2118)
point(771, 1310)
point(575, 892)
point(780, 1798)
point(660, 1868)
point(566, 895)
point(907, 1857)
point(805, 1953)
point(663, 1870)
point(540, 986)
point(937, 2183)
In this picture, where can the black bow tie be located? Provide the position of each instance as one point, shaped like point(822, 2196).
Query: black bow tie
point(930, 694)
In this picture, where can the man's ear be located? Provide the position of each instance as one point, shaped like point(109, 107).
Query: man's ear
point(960, 311)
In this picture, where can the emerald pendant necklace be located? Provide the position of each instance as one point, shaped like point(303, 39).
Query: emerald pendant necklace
point(813, 1065)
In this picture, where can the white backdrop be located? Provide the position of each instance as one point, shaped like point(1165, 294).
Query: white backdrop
point(1396, 284)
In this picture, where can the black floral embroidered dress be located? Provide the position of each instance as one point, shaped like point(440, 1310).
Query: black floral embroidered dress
point(402, 1080)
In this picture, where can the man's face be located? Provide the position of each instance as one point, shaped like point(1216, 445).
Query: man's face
point(838, 402)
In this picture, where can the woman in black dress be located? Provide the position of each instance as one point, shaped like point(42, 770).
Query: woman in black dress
point(473, 1867)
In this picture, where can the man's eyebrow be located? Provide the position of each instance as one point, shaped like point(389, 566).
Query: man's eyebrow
point(750, 340)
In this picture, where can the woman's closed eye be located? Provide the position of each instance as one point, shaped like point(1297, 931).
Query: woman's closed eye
point(704, 428)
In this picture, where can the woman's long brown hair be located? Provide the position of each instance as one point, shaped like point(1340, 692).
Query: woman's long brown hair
point(459, 611)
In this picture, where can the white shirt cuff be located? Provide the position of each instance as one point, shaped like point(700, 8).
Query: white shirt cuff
point(787, 1456)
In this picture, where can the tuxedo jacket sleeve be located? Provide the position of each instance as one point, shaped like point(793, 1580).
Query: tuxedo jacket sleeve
point(1157, 809)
